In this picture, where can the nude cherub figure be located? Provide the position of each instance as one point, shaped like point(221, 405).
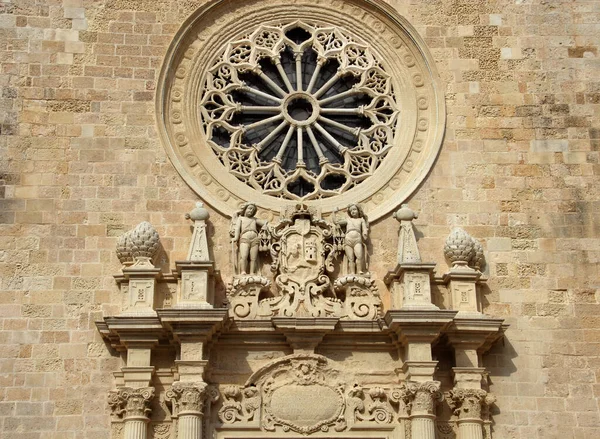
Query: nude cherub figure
point(355, 239)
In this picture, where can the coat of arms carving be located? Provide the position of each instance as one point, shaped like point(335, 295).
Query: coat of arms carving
point(304, 249)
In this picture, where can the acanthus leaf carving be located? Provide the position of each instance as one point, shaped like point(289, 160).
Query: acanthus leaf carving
point(127, 402)
point(468, 403)
point(424, 397)
point(187, 397)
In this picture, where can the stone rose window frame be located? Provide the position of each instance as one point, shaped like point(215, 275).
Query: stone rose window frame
point(325, 177)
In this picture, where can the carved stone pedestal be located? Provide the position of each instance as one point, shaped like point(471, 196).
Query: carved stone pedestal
point(196, 286)
point(140, 284)
point(410, 286)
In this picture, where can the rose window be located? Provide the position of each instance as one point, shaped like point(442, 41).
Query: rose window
point(299, 111)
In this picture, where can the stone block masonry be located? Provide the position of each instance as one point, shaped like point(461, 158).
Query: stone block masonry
point(81, 163)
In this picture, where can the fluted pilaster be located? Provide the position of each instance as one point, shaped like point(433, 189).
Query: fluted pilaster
point(135, 429)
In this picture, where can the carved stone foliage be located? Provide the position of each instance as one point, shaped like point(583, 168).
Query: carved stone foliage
point(303, 249)
point(423, 397)
point(470, 403)
point(127, 402)
point(187, 398)
point(279, 102)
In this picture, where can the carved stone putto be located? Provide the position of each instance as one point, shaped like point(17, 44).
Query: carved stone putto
point(127, 402)
point(247, 233)
point(354, 232)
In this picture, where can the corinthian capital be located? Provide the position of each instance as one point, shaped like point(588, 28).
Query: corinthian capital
point(127, 402)
point(188, 398)
point(468, 403)
point(423, 397)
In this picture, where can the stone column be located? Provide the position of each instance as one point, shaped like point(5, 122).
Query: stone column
point(467, 405)
point(422, 400)
point(188, 401)
point(132, 405)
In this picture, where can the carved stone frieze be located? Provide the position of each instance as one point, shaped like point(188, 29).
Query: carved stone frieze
point(127, 402)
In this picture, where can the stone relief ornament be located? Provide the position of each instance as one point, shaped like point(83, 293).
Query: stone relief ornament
point(304, 248)
point(239, 404)
point(248, 234)
point(126, 402)
point(360, 297)
point(353, 233)
point(279, 103)
point(138, 246)
point(468, 403)
point(303, 254)
point(462, 250)
point(187, 398)
point(306, 394)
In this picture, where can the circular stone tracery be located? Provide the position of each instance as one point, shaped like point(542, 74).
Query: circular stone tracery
point(299, 111)
point(193, 117)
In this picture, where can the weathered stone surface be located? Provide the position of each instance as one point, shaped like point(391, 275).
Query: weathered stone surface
point(81, 163)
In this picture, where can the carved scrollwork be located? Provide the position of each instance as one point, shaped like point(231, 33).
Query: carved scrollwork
point(239, 404)
point(243, 295)
point(361, 297)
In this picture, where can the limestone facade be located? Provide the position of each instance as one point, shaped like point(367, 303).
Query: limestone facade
point(471, 312)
